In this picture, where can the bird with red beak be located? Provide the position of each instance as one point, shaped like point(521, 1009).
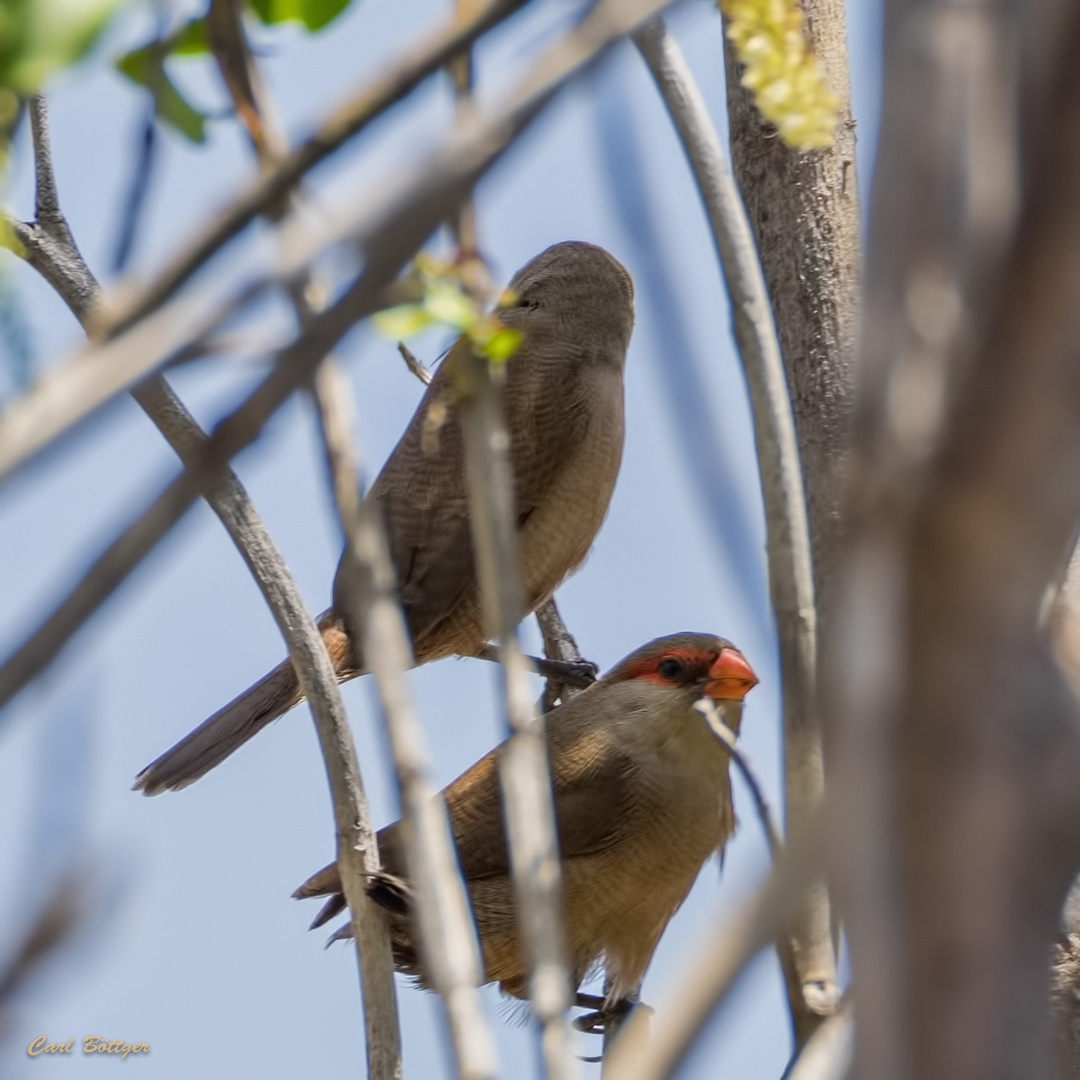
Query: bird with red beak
point(642, 799)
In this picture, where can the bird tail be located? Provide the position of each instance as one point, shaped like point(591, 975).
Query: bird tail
point(230, 727)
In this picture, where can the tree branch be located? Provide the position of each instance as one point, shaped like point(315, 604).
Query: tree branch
point(960, 750)
point(523, 767)
point(790, 566)
point(358, 864)
point(830, 1053)
point(559, 645)
point(451, 956)
point(356, 842)
point(708, 709)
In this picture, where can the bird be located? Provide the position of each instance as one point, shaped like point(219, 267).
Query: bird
point(563, 401)
point(642, 796)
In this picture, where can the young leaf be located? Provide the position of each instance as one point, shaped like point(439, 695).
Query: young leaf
point(447, 303)
point(146, 67)
point(502, 345)
point(38, 37)
point(320, 13)
point(313, 14)
point(402, 321)
point(191, 39)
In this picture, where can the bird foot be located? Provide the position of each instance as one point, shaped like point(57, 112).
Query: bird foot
point(578, 674)
point(603, 1017)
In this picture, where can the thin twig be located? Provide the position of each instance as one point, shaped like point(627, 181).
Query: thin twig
point(523, 767)
point(447, 934)
point(413, 364)
point(708, 709)
point(830, 1053)
point(308, 653)
point(701, 988)
point(446, 930)
point(559, 645)
point(791, 581)
point(360, 861)
point(135, 198)
point(228, 42)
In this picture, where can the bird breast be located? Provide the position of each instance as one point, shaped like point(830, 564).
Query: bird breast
point(619, 901)
point(555, 538)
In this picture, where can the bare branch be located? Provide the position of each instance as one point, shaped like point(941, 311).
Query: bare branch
point(559, 644)
point(357, 863)
point(791, 581)
point(228, 42)
point(308, 653)
point(46, 202)
point(652, 1048)
point(413, 364)
point(708, 709)
point(830, 1053)
point(804, 212)
point(135, 199)
point(448, 941)
point(523, 766)
point(958, 819)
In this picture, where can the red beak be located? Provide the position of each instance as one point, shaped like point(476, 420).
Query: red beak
point(731, 678)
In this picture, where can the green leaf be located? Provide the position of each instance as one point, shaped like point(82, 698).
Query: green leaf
point(448, 304)
point(314, 14)
point(502, 344)
point(38, 37)
point(277, 11)
point(320, 13)
point(146, 67)
point(9, 240)
point(402, 321)
point(191, 40)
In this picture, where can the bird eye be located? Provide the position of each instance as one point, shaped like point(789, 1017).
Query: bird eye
point(670, 668)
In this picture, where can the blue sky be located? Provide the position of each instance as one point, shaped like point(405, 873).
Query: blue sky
point(197, 948)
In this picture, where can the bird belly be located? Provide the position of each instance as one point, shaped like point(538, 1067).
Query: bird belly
point(558, 534)
point(619, 902)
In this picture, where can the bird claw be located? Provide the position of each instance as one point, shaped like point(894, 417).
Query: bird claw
point(603, 1017)
point(578, 674)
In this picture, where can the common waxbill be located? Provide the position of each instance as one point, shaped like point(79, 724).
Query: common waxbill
point(563, 401)
point(642, 799)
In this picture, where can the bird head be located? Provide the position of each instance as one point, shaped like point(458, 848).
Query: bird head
point(577, 289)
point(694, 666)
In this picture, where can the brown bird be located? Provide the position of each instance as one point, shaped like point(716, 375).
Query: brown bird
point(642, 799)
point(563, 400)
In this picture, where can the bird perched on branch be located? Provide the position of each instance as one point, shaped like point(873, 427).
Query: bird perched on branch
point(563, 402)
point(642, 799)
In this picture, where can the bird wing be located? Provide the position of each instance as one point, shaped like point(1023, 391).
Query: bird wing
point(592, 785)
point(422, 491)
point(592, 781)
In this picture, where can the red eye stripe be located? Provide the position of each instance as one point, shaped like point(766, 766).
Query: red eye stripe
point(695, 666)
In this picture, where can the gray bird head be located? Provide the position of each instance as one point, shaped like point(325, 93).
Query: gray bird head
point(577, 290)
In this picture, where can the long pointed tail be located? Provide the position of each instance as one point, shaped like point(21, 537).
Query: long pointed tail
point(230, 727)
